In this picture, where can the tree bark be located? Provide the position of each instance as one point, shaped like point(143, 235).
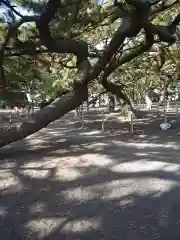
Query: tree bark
point(111, 106)
point(117, 90)
point(164, 94)
point(94, 99)
point(43, 117)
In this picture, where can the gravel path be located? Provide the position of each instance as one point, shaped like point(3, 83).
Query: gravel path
point(80, 184)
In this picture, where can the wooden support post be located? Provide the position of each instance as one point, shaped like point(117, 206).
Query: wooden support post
point(165, 116)
point(10, 117)
point(132, 122)
point(87, 105)
point(28, 110)
point(82, 117)
point(18, 113)
point(158, 109)
point(103, 120)
point(76, 114)
point(177, 110)
point(32, 109)
point(167, 105)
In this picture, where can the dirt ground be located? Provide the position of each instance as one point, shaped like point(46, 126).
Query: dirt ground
point(66, 182)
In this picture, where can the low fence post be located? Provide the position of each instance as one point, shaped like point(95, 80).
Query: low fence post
point(103, 120)
point(132, 122)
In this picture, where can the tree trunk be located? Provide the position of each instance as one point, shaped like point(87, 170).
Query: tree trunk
point(164, 95)
point(43, 117)
point(95, 98)
point(111, 106)
point(118, 91)
point(162, 98)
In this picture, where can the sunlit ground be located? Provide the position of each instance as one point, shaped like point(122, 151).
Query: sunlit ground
point(66, 182)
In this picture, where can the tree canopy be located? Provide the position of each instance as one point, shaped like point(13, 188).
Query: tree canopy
point(51, 46)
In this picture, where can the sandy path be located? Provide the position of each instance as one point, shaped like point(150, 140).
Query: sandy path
point(67, 183)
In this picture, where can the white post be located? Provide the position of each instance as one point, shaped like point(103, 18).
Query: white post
point(28, 110)
point(87, 105)
point(177, 110)
point(32, 108)
point(17, 113)
point(165, 117)
point(148, 102)
point(131, 122)
point(158, 109)
point(10, 117)
point(167, 106)
point(82, 117)
point(102, 125)
point(76, 114)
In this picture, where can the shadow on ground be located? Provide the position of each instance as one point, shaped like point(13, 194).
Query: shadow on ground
point(67, 183)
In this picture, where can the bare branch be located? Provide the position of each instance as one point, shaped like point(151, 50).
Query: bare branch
point(115, 63)
point(11, 8)
point(117, 90)
point(165, 33)
point(24, 52)
point(172, 26)
point(163, 5)
point(11, 32)
point(79, 48)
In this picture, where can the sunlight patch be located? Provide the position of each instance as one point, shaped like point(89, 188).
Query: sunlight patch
point(3, 211)
point(33, 173)
point(7, 180)
point(43, 226)
point(13, 188)
point(172, 168)
point(90, 133)
point(118, 189)
point(33, 165)
point(82, 225)
point(143, 154)
point(140, 145)
point(36, 208)
point(34, 143)
point(96, 159)
point(79, 194)
point(140, 165)
point(43, 163)
point(124, 188)
point(8, 165)
point(67, 174)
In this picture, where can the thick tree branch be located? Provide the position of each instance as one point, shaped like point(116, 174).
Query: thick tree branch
point(11, 8)
point(44, 116)
point(115, 63)
point(69, 101)
point(165, 33)
point(126, 28)
point(172, 26)
point(22, 52)
point(117, 90)
point(10, 33)
point(163, 5)
point(79, 48)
